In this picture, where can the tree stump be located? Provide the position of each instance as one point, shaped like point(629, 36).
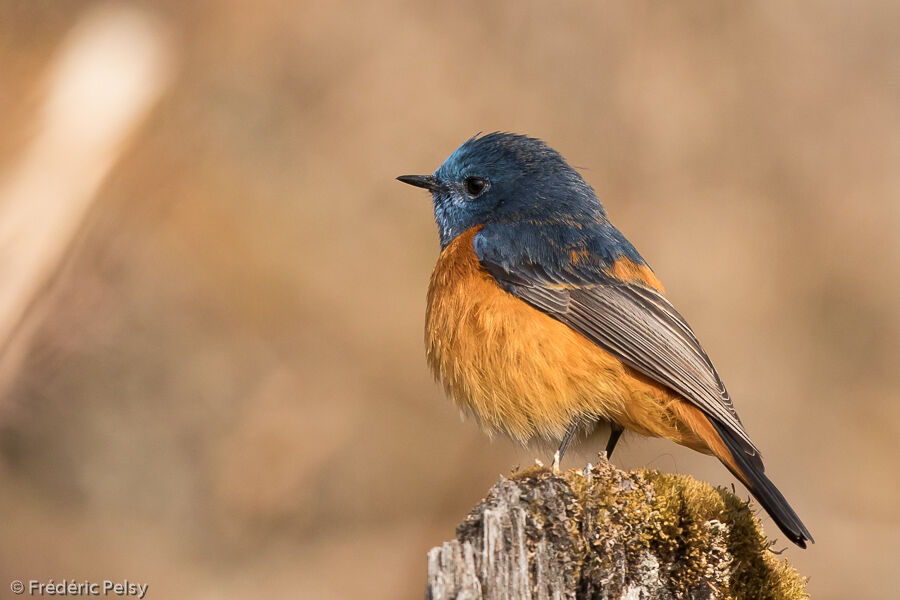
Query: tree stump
point(607, 534)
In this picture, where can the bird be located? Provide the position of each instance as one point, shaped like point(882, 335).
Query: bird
point(542, 319)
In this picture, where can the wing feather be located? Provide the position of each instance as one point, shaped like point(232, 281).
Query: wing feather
point(634, 322)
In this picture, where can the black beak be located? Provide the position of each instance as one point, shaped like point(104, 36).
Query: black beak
point(423, 181)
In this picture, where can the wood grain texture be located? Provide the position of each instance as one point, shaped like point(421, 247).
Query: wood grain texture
point(605, 533)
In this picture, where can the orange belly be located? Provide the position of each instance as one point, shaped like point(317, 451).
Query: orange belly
point(520, 372)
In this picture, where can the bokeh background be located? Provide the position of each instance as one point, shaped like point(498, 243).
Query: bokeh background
point(212, 359)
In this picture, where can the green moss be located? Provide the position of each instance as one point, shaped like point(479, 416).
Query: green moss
point(703, 536)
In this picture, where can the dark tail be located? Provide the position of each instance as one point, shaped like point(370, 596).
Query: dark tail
point(753, 475)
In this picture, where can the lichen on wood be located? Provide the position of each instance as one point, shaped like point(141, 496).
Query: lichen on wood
point(607, 534)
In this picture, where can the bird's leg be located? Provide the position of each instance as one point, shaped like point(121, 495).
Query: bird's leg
point(615, 430)
point(563, 445)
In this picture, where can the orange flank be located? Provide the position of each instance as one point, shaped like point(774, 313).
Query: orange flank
point(699, 423)
point(521, 372)
point(627, 270)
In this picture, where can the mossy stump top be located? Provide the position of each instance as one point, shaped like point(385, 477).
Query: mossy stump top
point(607, 534)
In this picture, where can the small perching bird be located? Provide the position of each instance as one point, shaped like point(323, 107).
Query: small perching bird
point(542, 318)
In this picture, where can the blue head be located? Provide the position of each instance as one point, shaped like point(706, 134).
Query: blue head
point(507, 178)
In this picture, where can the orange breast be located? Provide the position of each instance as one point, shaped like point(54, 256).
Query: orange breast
point(525, 374)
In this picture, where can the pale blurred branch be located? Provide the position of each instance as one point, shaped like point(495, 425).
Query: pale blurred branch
point(107, 75)
point(605, 533)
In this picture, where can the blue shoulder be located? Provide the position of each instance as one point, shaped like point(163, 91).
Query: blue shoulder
point(549, 250)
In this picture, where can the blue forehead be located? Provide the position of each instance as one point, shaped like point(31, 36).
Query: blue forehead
point(501, 156)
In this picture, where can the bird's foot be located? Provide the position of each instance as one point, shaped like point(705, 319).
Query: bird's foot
point(556, 463)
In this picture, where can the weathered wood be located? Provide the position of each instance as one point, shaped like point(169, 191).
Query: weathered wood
point(607, 534)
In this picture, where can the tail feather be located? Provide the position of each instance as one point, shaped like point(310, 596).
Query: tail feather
point(751, 472)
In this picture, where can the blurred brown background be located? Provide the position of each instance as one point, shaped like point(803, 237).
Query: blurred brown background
point(217, 386)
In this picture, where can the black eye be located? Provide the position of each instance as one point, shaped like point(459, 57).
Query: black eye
point(475, 185)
